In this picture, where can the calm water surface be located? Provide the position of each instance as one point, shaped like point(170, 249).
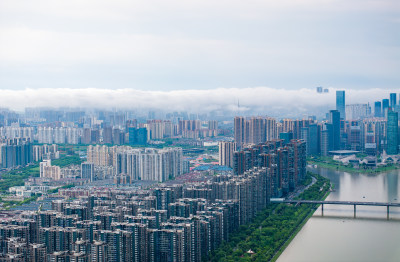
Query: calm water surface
point(338, 236)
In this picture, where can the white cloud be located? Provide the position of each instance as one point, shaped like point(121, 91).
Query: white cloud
point(255, 100)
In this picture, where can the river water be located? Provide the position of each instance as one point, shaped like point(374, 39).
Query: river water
point(338, 236)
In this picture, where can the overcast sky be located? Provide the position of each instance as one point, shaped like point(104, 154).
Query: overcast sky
point(190, 45)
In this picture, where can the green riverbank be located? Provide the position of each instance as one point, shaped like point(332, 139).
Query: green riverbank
point(334, 165)
point(273, 229)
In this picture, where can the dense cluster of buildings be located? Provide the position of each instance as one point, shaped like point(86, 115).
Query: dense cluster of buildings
point(15, 152)
point(139, 163)
point(173, 222)
point(349, 127)
point(98, 132)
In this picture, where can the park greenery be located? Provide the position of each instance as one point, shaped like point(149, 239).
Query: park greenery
point(272, 229)
point(328, 162)
point(16, 177)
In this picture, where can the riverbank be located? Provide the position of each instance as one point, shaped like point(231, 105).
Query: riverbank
point(340, 167)
point(273, 229)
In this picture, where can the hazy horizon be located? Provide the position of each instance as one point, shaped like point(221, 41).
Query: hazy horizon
point(232, 101)
point(199, 45)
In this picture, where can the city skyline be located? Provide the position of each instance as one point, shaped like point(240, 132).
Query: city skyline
point(236, 101)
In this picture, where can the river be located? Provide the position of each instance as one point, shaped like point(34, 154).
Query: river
point(338, 236)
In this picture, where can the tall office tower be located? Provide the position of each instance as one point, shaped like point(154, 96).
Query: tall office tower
point(385, 107)
point(87, 171)
point(226, 150)
point(393, 100)
point(310, 136)
point(341, 103)
point(392, 132)
point(334, 119)
point(378, 109)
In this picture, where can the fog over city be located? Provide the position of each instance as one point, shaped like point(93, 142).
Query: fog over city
point(261, 100)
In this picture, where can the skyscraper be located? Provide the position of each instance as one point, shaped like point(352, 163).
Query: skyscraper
point(378, 109)
point(334, 119)
point(385, 106)
point(393, 100)
point(341, 103)
point(392, 132)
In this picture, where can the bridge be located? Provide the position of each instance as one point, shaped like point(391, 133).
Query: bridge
point(347, 203)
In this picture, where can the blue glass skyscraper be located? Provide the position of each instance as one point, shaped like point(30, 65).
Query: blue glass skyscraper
point(341, 103)
point(334, 119)
point(393, 100)
point(392, 132)
point(378, 109)
point(385, 106)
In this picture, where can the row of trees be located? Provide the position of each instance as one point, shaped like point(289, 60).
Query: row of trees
point(265, 237)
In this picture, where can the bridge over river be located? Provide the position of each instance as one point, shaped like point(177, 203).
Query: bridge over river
point(348, 203)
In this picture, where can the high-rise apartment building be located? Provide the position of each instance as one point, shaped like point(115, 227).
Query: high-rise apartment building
point(16, 152)
point(87, 171)
point(226, 150)
point(254, 130)
point(341, 103)
point(149, 163)
point(49, 171)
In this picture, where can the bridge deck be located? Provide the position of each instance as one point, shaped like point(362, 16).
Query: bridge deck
point(336, 202)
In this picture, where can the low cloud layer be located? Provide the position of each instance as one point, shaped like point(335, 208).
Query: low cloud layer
point(254, 100)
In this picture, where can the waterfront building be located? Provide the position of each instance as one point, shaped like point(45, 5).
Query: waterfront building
point(334, 120)
point(310, 136)
point(392, 132)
